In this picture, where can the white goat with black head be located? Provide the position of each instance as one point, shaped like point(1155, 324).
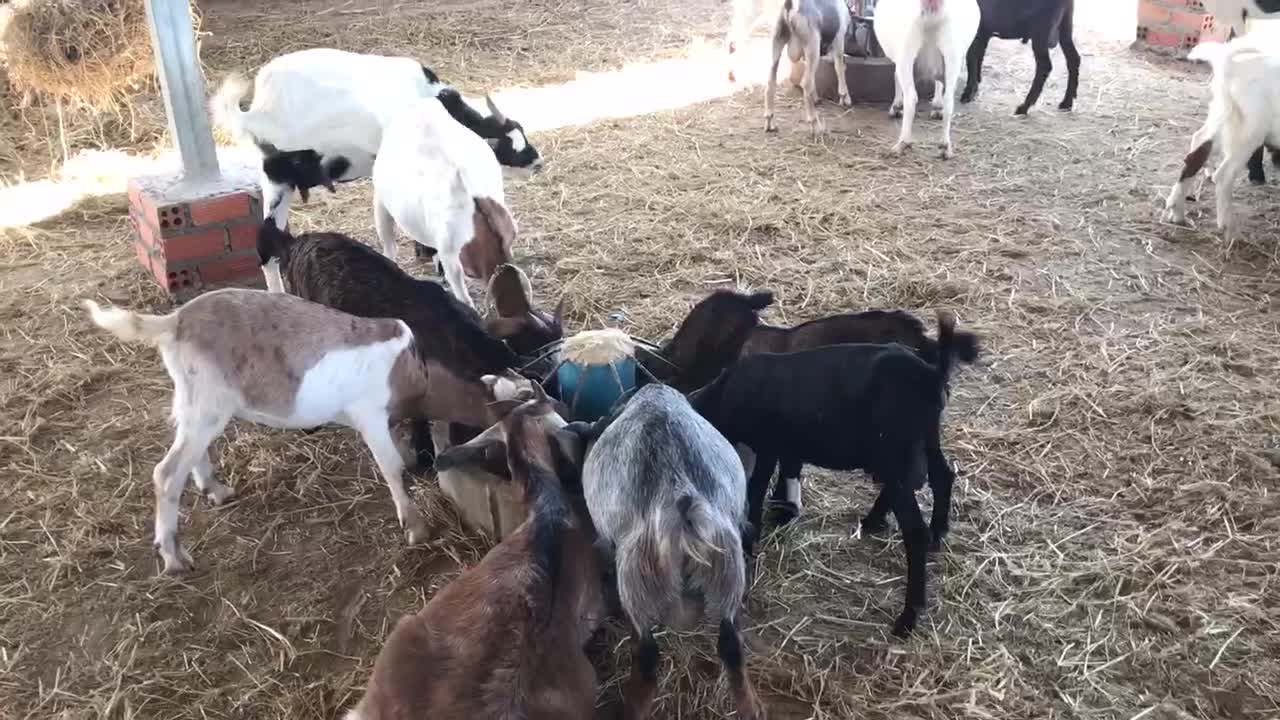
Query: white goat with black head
point(810, 30)
point(667, 494)
point(318, 115)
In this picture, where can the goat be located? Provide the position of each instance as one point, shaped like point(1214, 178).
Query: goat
point(1257, 175)
point(809, 30)
point(725, 325)
point(439, 182)
point(347, 275)
point(666, 493)
point(1045, 22)
point(867, 407)
point(311, 105)
point(1244, 113)
point(935, 32)
point(285, 362)
point(506, 638)
point(1236, 13)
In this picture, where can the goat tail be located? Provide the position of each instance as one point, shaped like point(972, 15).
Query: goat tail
point(224, 106)
point(760, 300)
point(947, 346)
point(710, 559)
point(131, 326)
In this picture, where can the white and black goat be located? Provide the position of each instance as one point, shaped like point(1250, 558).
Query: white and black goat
point(810, 30)
point(441, 184)
point(285, 362)
point(867, 407)
point(317, 115)
point(938, 33)
point(1045, 23)
point(667, 493)
point(1244, 113)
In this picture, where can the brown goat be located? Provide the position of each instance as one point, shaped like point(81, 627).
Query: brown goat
point(726, 325)
point(525, 328)
point(506, 638)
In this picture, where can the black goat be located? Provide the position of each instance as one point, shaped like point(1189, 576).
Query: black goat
point(867, 407)
point(725, 325)
point(1045, 23)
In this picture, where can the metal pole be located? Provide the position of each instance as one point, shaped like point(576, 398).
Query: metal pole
point(173, 38)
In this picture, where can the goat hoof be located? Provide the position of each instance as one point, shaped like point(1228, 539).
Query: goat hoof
point(895, 111)
point(846, 101)
point(177, 561)
point(898, 148)
point(935, 543)
point(416, 530)
point(906, 624)
point(782, 512)
point(1257, 180)
point(1066, 105)
point(935, 114)
point(967, 97)
point(1021, 111)
point(947, 151)
point(219, 493)
point(769, 127)
point(873, 527)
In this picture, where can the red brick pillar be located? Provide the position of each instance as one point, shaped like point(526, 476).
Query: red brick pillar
point(196, 238)
point(1176, 26)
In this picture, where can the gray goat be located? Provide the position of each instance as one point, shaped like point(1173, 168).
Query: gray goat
point(810, 30)
point(667, 495)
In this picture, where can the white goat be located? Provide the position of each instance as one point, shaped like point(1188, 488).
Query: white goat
point(441, 183)
point(809, 30)
point(281, 361)
point(1236, 12)
point(933, 31)
point(322, 103)
point(1244, 112)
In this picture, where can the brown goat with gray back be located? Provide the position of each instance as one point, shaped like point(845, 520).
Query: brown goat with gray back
point(726, 325)
point(505, 639)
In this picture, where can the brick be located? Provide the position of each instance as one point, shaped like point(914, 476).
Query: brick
point(244, 236)
point(1163, 39)
point(220, 209)
point(195, 246)
point(232, 268)
point(1150, 16)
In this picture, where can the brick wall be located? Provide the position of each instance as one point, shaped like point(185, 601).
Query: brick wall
point(193, 245)
point(1176, 26)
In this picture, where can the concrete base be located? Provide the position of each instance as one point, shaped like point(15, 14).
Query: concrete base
point(870, 80)
point(193, 237)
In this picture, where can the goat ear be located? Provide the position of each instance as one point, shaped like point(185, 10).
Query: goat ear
point(559, 313)
point(499, 409)
point(500, 222)
point(572, 445)
point(504, 327)
point(471, 453)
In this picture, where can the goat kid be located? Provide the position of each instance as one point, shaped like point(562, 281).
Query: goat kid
point(667, 493)
point(317, 116)
point(1045, 23)
point(438, 181)
point(937, 32)
point(1244, 113)
point(809, 30)
point(876, 408)
point(726, 325)
point(281, 361)
point(506, 638)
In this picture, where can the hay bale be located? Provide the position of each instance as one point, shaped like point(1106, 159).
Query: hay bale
point(87, 51)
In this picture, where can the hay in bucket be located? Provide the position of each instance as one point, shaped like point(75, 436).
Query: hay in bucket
point(87, 51)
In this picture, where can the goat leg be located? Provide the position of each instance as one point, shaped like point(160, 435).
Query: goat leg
point(1044, 65)
point(643, 684)
point(973, 61)
point(1072, 56)
point(941, 479)
point(915, 538)
point(757, 488)
point(873, 522)
point(785, 503)
point(729, 648)
point(1256, 175)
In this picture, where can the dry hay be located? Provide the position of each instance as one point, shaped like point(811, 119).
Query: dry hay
point(1114, 538)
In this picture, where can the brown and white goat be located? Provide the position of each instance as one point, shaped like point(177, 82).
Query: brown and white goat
point(525, 328)
point(505, 639)
point(285, 362)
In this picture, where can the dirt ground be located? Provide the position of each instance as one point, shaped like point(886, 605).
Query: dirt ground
point(1113, 552)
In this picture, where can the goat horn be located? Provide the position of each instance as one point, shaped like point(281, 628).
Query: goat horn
point(493, 109)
